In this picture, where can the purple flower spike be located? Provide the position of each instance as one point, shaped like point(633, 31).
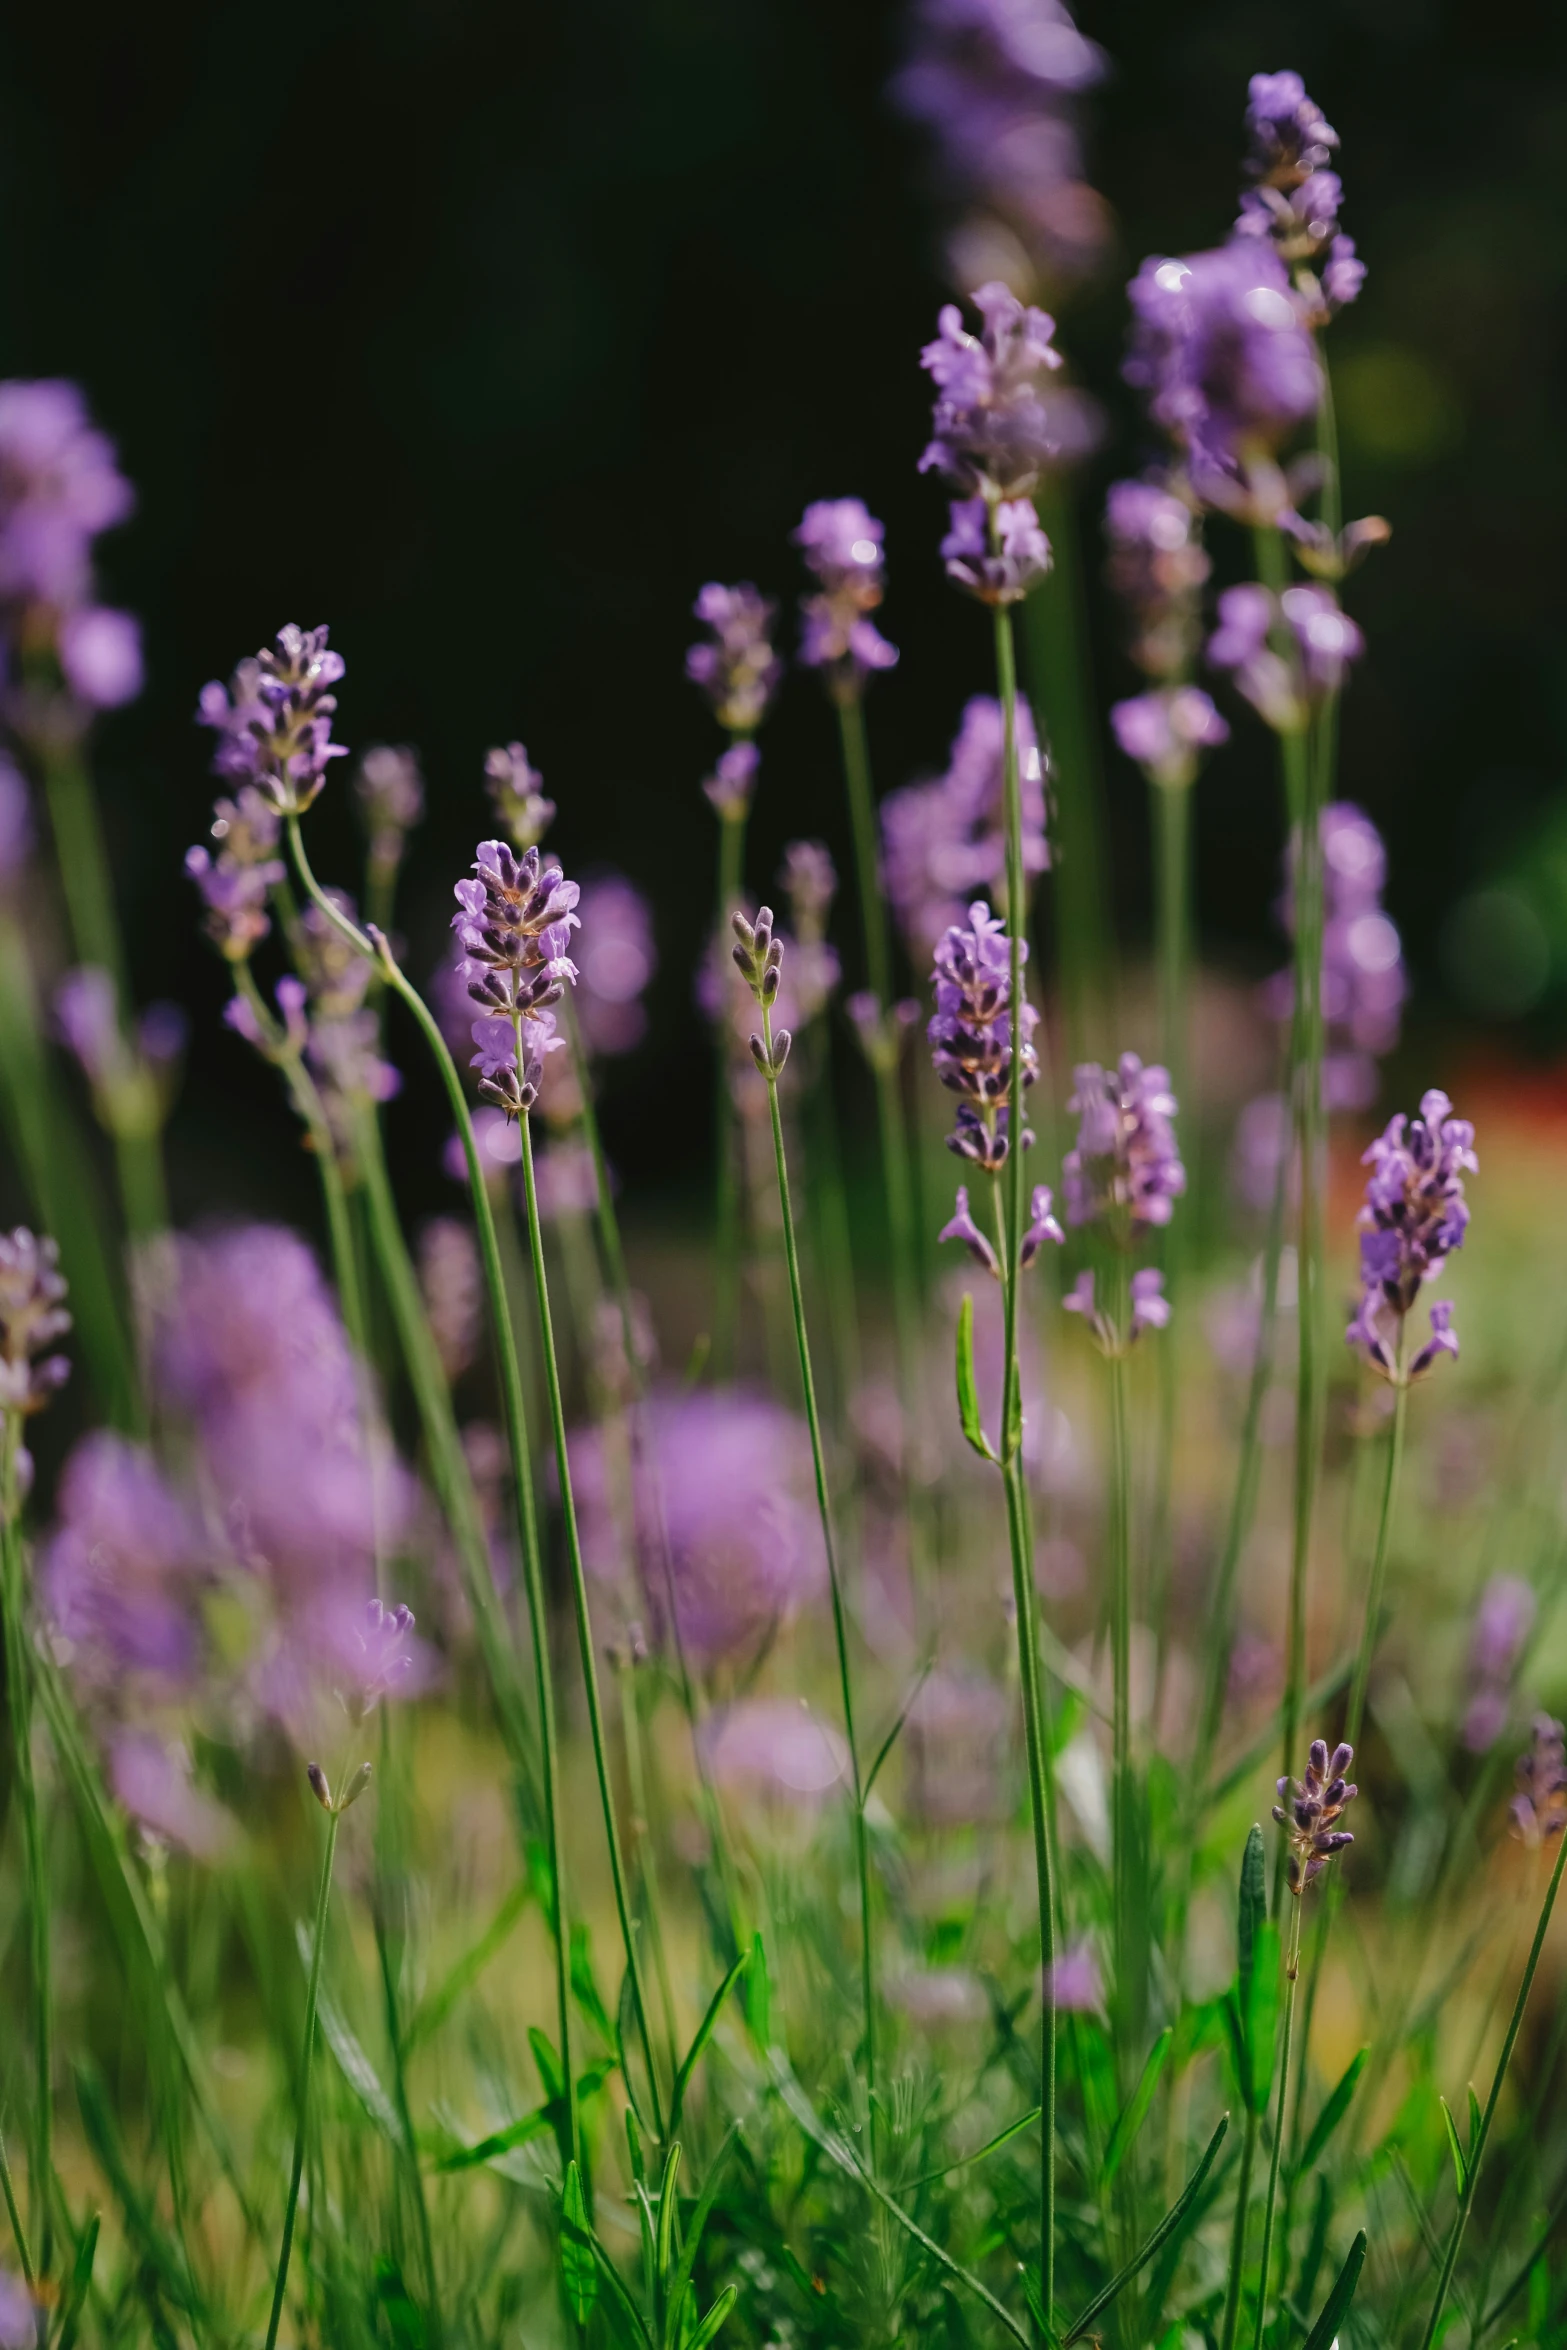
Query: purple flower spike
point(1126, 1163)
point(1414, 1217)
point(1150, 1306)
point(732, 784)
point(1165, 732)
point(390, 787)
point(991, 434)
point(963, 1227)
point(236, 884)
point(19, 2313)
point(1294, 199)
point(737, 667)
point(273, 721)
point(1150, 1310)
point(1322, 639)
point(944, 842)
point(32, 1316)
point(996, 551)
point(1363, 978)
point(1539, 1808)
point(840, 540)
point(971, 1034)
point(515, 789)
point(1073, 1984)
point(1503, 1622)
point(514, 923)
point(616, 959)
point(1308, 1808)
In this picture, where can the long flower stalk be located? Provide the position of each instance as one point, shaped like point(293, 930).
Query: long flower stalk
point(1270, 2203)
point(19, 1706)
point(307, 2052)
point(726, 1209)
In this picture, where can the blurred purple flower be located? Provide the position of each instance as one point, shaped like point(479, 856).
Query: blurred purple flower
point(943, 842)
point(736, 666)
point(235, 886)
point(1539, 1809)
point(1323, 641)
point(453, 1295)
point(1293, 198)
point(809, 880)
point(956, 1737)
point(19, 2314)
point(1363, 978)
point(1072, 1983)
point(1157, 568)
point(841, 541)
point(16, 821)
point(121, 1572)
point(1165, 731)
point(774, 1747)
point(32, 1315)
point(616, 960)
point(732, 785)
point(100, 653)
point(516, 793)
point(991, 432)
point(60, 486)
point(499, 1141)
point(390, 789)
point(1126, 1160)
point(153, 1783)
point(1503, 1622)
point(997, 552)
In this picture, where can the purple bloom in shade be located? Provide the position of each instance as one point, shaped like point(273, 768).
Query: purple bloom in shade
point(120, 1573)
point(1165, 731)
point(32, 1316)
point(1290, 135)
point(16, 821)
point(1294, 198)
point(616, 959)
point(1150, 1306)
point(339, 1654)
point(293, 1034)
point(934, 1998)
point(1222, 351)
point(722, 1514)
point(453, 1299)
point(732, 784)
point(1414, 1216)
point(1323, 642)
point(996, 552)
point(775, 1748)
point(87, 1016)
point(1503, 1622)
point(991, 435)
point(997, 84)
point(60, 486)
point(18, 2311)
point(390, 789)
point(1363, 978)
point(736, 667)
point(1158, 569)
point(499, 1141)
point(840, 540)
point(806, 970)
point(1539, 1809)
point(1308, 1808)
point(809, 880)
point(1150, 1309)
point(345, 1057)
point(514, 923)
point(1126, 1162)
point(153, 1783)
point(1072, 1982)
point(273, 720)
point(956, 1743)
point(567, 1181)
point(963, 1227)
point(971, 1034)
point(100, 653)
point(516, 792)
point(1041, 1226)
point(943, 842)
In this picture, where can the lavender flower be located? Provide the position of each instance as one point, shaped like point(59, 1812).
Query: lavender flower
point(991, 434)
point(956, 1743)
point(131, 1078)
point(236, 884)
point(514, 924)
point(841, 542)
point(944, 841)
point(60, 487)
point(1228, 364)
point(732, 784)
point(273, 721)
point(1503, 1622)
point(18, 2312)
point(1308, 1807)
point(32, 1316)
point(1126, 1165)
point(1150, 1309)
point(970, 1035)
point(1294, 199)
point(1042, 1226)
point(121, 1574)
point(810, 883)
point(737, 668)
point(1165, 731)
point(1539, 1809)
point(1414, 1216)
point(449, 1278)
point(1322, 641)
point(153, 1782)
point(1363, 981)
point(1158, 569)
point(1073, 1984)
point(390, 787)
point(777, 1749)
point(521, 809)
point(996, 551)
point(616, 959)
point(997, 84)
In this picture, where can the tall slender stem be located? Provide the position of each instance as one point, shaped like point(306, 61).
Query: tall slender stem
point(1232, 2290)
point(1128, 1992)
point(83, 863)
point(1291, 1974)
point(579, 1593)
point(19, 1704)
point(517, 1442)
point(1482, 2135)
point(312, 1995)
point(726, 1245)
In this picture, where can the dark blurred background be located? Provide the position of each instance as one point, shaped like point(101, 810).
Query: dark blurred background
point(487, 332)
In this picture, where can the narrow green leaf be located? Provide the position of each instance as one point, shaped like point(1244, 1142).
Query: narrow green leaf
point(668, 2205)
point(1333, 2111)
point(634, 2146)
point(548, 2062)
point(81, 2278)
point(161, 2259)
point(1260, 2016)
point(352, 2061)
point(991, 2146)
point(433, 2011)
point(714, 2318)
point(891, 1739)
point(1167, 2226)
point(1474, 2120)
point(584, 1985)
point(1326, 2328)
point(518, 2133)
point(578, 2268)
point(1134, 2111)
point(759, 1997)
point(968, 1398)
point(704, 2032)
point(1455, 2146)
point(1252, 1909)
point(680, 2284)
point(624, 2013)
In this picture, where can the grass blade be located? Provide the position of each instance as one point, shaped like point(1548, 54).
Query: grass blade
point(968, 1395)
point(704, 2032)
point(1333, 2112)
point(1167, 2227)
point(81, 2278)
point(1133, 2113)
point(1327, 2325)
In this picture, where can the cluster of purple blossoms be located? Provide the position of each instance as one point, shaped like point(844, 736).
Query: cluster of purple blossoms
point(1363, 979)
point(997, 83)
point(132, 1077)
point(991, 437)
point(1503, 1622)
point(1414, 1217)
point(390, 789)
point(736, 667)
point(1308, 1808)
point(1294, 199)
point(1166, 732)
point(1320, 639)
point(732, 785)
point(1126, 1166)
point(971, 1035)
point(236, 883)
point(32, 1316)
point(273, 720)
point(616, 960)
point(123, 1570)
point(945, 840)
point(1227, 361)
point(1041, 1226)
point(1539, 1809)
point(810, 883)
point(514, 923)
point(516, 792)
point(776, 1751)
point(807, 972)
point(60, 487)
point(1158, 568)
point(1150, 1308)
point(841, 541)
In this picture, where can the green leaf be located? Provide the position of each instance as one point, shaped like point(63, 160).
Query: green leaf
point(1455, 2146)
point(714, 2318)
point(433, 2011)
point(1474, 2120)
point(759, 1996)
point(968, 1399)
point(704, 2032)
point(891, 1739)
point(624, 2012)
point(1326, 2328)
point(81, 2278)
point(352, 2061)
point(1134, 2111)
point(1333, 2111)
point(1260, 2015)
point(578, 2268)
point(548, 2062)
point(991, 2146)
point(1167, 2227)
point(634, 2147)
point(680, 2284)
point(1252, 1909)
point(536, 2124)
point(584, 1985)
point(668, 2205)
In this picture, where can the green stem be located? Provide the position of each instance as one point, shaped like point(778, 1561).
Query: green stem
point(19, 1703)
point(839, 1616)
point(300, 2128)
point(1232, 2291)
point(84, 864)
point(1291, 1973)
point(645, 1854)
point(867, 860)
point(726, 1275)
point(1477, 2150)
point(1128, 1993)
point(18, 2231)
point(517, 1441)
point(579, 1593)
point(1036, 1747)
